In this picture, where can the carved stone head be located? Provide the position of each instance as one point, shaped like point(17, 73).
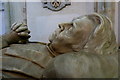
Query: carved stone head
point(90, 32)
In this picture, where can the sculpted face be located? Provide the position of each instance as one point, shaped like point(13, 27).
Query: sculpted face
point(71, 36)
point(90, 33)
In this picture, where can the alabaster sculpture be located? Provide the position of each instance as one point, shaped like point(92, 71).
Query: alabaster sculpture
point(83, 48)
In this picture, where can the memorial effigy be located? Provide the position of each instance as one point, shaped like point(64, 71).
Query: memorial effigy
point(83, 48)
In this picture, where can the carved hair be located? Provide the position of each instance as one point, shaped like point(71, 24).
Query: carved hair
point(103, 40)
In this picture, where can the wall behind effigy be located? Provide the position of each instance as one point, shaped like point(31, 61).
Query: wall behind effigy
point(119, 23)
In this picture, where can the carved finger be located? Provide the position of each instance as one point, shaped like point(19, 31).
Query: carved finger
point(27, 31)
point(20, 42)
point(24, 25)
point(24, 34)
point(16, 26)
point(13, 25)
point(20, 29)
point(23, 41)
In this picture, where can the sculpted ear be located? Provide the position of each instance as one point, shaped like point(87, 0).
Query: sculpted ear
point(94, 18)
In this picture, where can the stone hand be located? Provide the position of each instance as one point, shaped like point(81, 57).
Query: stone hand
point(19, 34)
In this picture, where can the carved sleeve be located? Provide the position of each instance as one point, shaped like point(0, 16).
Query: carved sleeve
point(3, 43)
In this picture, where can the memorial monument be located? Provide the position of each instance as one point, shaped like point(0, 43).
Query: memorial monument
point(83, 48)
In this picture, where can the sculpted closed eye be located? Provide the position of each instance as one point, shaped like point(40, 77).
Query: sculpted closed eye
point(71, 27)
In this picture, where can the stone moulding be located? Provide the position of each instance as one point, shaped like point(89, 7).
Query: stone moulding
point(55, 5)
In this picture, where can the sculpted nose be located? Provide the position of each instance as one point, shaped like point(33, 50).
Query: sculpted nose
point(61, 26)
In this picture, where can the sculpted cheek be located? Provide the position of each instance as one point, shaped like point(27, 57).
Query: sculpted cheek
point(54, 35)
